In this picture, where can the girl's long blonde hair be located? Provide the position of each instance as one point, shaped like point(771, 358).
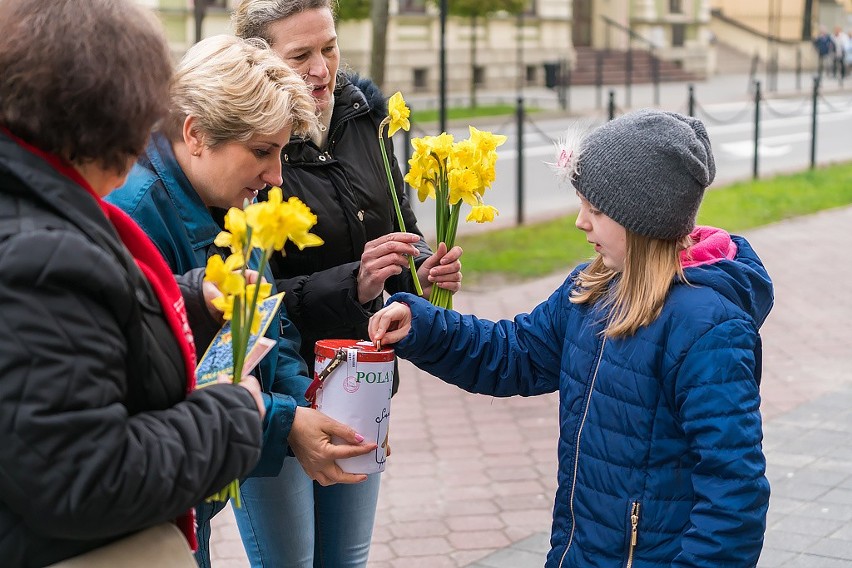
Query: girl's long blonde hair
point(635, 296)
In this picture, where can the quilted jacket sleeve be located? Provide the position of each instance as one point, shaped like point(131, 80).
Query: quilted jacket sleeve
point(324, 300)
point(505, 358)
point(73, 462)
point(718, 400)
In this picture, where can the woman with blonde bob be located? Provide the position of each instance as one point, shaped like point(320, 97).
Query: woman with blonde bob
point(654, 349)
point(234, 106)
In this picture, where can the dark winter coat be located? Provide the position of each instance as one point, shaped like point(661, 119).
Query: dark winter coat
point(97, 435)
point(660, 460)
point(346, 186)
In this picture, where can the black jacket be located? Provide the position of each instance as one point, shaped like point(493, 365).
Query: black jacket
point(97, 436)
point(345, 185)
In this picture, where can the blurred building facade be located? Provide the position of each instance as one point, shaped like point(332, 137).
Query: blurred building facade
point(510, 50)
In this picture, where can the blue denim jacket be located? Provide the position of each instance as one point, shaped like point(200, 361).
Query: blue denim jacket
point(159, 197)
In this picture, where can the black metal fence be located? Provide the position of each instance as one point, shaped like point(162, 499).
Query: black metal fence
point(754, 111)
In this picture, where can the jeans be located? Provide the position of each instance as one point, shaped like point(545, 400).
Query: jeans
point(204, 512)
point(290, 521)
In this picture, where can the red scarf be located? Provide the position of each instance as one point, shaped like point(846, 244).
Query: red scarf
point(159, 275)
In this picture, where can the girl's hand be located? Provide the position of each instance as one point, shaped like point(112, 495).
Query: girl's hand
point(442, 269)
point(390, 324)
point(310, 439)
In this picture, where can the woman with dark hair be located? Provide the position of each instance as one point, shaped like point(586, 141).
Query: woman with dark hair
point(101, 433)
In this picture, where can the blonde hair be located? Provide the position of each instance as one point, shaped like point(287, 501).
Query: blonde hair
point(251, 18)
point(237, 88)
point(634, 296)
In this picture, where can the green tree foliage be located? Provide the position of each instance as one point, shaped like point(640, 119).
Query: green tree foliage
point(482, 8)
point(353, 9)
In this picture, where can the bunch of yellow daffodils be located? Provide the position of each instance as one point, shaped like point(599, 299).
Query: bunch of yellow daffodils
point(261, 227)
point(451, 173)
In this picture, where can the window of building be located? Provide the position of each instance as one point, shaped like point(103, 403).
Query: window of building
point(479, 75)
point(421, 77)
point(412, 6)
point(676, 6)
point(532, 74)
point(678, 35)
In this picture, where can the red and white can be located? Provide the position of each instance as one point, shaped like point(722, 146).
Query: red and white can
point(353, 382)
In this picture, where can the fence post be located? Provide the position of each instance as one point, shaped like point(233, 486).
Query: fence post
point(690, 100)
point(655, 74)
point(756, 128)
point(752, 76)
point(599, 76)
point(628, 75)
point(520, 161)
point(611, 105)
point(562, 86)
point(814, 110)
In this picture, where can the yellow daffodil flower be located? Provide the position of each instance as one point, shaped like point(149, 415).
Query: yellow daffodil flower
point(464, 186)
point(225, 304)
point(482, 213)
point(398, 114)
point(485, 141)
point(234, 235)
point(223, 273)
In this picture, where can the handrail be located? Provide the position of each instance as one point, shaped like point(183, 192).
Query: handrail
point(717, 13)
point(632, 34)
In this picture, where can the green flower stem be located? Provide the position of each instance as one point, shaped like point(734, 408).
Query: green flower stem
point(236, 339)
point(395, 199)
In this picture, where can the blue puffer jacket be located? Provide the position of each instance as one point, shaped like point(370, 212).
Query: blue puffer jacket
point(159, 197)
point(660, 459)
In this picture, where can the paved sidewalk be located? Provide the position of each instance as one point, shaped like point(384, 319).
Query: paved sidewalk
point(472, 478)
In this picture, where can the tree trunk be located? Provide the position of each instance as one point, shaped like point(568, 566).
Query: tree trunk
point(379, 18)
point(199, 9)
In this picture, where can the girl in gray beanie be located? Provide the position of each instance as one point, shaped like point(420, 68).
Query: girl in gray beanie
point(654, 349)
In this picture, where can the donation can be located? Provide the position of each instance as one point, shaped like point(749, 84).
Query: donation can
point(357, 392)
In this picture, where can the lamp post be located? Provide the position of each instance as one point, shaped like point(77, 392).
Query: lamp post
point(442, 69)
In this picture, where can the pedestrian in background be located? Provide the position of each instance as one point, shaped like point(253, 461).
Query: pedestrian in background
point(654, 349)
point(233, 107)
point(332, 290)
point(824, 46)
point(101, 433)
point(839, 42)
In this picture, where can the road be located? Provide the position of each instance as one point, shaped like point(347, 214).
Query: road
point(785, 146)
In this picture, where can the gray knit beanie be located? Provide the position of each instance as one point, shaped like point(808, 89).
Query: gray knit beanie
point(647, 171)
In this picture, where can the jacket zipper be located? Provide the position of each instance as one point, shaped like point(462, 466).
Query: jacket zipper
point(577, 451)
point(634, 532)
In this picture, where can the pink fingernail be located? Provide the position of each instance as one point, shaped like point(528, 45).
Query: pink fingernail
point(359, 437)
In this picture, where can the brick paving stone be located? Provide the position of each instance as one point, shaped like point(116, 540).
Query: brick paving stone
point(417, 529)
point(478, 540)
point(405, 547)
point(465, 523)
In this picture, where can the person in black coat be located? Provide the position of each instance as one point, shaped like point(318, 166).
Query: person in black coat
point(332, 290)
point(101, 434)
